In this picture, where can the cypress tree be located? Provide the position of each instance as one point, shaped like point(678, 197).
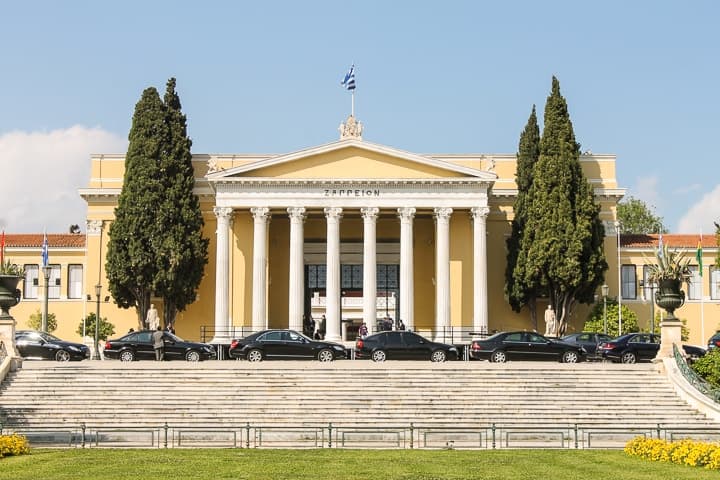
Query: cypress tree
point(182, 252)
point(130, 262)
point(564, 235)
point(518, 292)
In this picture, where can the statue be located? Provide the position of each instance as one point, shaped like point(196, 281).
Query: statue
point(152, 320)
point(351, 129)
point(550, 326)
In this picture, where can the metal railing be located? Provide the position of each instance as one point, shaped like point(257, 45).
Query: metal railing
point(412, 436)
point(694, 379)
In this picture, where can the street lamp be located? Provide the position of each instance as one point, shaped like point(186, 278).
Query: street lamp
point(605, 290)
point(46, 273)
point(96, 352)
point(619, 266)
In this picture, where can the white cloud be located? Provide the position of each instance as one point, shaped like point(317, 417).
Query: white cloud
point(41, 173)
point(700, 217)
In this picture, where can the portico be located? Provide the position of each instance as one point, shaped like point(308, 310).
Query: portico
point(349, 204)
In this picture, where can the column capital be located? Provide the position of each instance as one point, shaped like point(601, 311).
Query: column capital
point(296, 213)
point(261, 214)
point(223, 212)
point(370, 213)
point(479, 212)
point(442, 213)
point(94, 227)
point(406, 213)
point(333, 213)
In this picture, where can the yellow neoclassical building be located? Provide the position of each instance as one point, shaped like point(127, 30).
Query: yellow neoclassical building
point(352, 230)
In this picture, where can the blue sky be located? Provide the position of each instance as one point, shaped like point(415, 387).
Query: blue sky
point(641, 79)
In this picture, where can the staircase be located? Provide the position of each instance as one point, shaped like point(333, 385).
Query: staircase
point(351, 403)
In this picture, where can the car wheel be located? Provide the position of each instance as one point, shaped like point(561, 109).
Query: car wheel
point(254, 355)
point(127, 356)
point(325, 355)
point(378, 356)
point(192, 356)
point(498, 356)
point(438, 356)
point(628, 357)
point(62, 356)
point(570, 357)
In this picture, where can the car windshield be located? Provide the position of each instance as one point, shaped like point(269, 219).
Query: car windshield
point(49, 338)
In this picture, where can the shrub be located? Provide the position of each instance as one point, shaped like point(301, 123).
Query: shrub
point(35, 321)
point(13, 445)
point(708, 367)
point(596, 323)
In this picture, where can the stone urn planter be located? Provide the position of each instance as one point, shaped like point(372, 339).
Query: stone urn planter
point(9, 297)
point(670, 270)
point(9, 293)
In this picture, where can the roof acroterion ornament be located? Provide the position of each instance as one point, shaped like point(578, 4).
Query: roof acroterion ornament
point(351, 129)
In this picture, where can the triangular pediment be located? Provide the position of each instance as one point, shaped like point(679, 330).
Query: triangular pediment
point(351, 159)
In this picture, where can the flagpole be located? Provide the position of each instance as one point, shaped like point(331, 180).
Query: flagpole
point(352, 104)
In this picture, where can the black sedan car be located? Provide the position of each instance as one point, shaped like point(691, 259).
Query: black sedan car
point(139, 346)
point(588, 340)
point(284, 345)
point(403, 345)
point(42, 345)
point(635, 347)
point(505, 346)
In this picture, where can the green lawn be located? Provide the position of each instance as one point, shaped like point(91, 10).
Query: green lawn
point(173, 464)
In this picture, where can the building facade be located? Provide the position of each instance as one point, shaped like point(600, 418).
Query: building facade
point(352, 230)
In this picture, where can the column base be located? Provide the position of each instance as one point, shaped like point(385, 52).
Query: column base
point(670, 333)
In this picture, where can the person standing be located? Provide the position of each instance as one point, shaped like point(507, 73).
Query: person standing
point(363, 330)
point(158, 344)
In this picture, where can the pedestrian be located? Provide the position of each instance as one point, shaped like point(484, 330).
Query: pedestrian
point(158, 344)
point(170, 328)
point(131, 330)
point(363, 330)
point(321, 328)
point(401, 325)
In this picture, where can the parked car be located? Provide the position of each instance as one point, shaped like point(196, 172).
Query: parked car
point(714, 341)
point(505, 346)
point(403, 345)
point(588, 340)
point(139, 346)
point(284, 345)
point(636, 347)
point(42, 345)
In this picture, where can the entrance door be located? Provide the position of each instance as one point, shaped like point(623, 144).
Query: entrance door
point(388, 291)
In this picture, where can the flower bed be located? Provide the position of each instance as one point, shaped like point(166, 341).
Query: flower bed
point(13, 445)
point(682, 452)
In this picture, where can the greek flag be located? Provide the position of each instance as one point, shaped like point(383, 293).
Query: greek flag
point(45, 251)
point(349, 80)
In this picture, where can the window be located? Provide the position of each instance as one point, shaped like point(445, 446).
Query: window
point(695, 284)
point(715, 282)
point(629, 282)
point(649, 288)
point(30, 287)
point(316, 277)
point(74, 282)
point(54, 281)
point(352, 277)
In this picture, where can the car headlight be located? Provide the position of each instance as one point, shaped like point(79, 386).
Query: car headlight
point(339, 348)
point(73, 348)
point(453, 349)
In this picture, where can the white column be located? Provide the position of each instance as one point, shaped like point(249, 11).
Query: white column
point(370, 215)
point(442, 271)
point(407, 288)
point(297, 275)
point(332, 312)
point(480, 292)
point(261, 216)
point(222, 277)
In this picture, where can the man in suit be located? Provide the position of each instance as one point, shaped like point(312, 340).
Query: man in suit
point(158, 344)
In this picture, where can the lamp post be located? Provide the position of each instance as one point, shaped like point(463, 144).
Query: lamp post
point(619, 266)
point(652, 307)
point(96, 351)
point(605, 290)
point(46, 273)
